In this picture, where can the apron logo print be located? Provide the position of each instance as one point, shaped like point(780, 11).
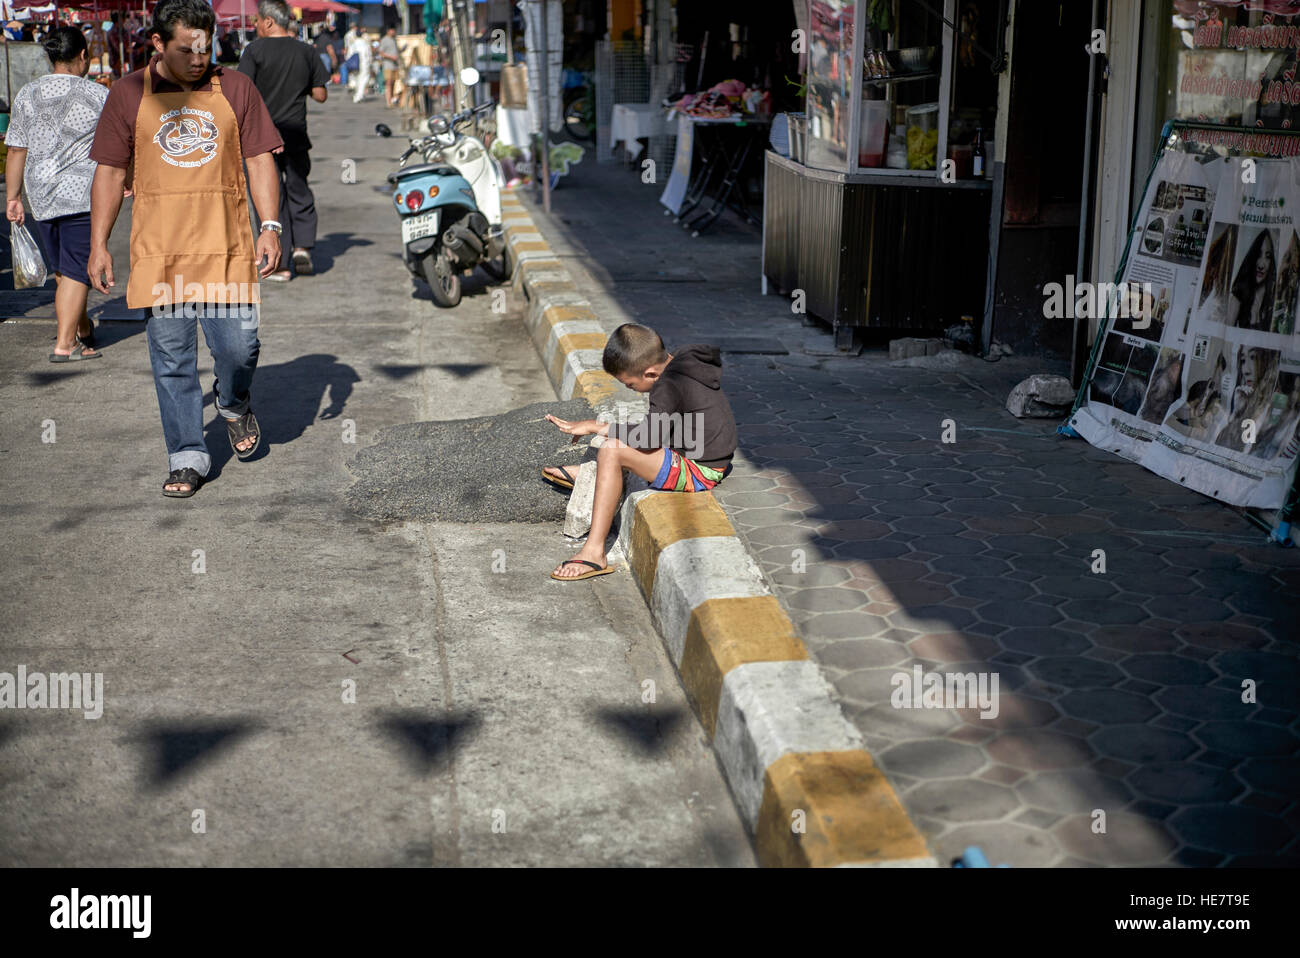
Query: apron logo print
point(184, 132)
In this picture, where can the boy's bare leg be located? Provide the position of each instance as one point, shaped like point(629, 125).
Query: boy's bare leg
point(612, 459)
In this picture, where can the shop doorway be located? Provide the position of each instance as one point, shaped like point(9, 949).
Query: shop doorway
point(1043, 173)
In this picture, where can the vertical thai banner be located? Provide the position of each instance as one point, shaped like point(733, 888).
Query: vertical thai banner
point(533, 11)
point(1198, 376)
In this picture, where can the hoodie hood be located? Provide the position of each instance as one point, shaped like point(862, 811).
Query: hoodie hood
point(700, 363)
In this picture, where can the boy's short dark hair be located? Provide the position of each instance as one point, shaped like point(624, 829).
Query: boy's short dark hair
point(64, 44)
point(194, 14)
point(632, 349)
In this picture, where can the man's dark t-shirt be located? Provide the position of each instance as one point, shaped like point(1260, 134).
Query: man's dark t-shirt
point(285, 69)
point(324, 42)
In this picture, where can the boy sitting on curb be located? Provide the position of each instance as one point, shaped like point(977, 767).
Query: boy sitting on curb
point(684, 444)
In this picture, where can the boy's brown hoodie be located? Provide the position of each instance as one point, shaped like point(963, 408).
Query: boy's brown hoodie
point(691, 387)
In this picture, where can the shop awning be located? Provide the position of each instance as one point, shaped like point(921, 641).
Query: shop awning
point(233, 10)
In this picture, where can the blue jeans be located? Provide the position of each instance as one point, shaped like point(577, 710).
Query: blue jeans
point(231, 334)
point(325, 59)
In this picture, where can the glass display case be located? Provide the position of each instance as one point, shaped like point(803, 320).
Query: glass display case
point(881, 214)
point(880, 87)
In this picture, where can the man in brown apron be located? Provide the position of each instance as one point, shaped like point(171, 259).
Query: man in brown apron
point(186, 129)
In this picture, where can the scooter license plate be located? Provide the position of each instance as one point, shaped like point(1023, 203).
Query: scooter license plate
point(418, 227)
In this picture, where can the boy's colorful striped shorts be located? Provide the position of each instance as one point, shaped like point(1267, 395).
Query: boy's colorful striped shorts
point(677, 471)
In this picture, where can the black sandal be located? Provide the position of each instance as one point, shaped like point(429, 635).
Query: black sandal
point(188, 476)
point(243, 428)
point(565, 483)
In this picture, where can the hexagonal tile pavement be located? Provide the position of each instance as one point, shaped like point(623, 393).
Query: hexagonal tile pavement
point(1073, 791)
point(1127, 840)
point(1120, 691)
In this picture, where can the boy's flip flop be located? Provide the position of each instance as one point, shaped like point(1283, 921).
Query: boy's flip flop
point(595, 571)
point(565, 483)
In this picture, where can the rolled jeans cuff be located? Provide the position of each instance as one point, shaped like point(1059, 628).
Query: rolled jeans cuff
point(233, 413)
point(200, 462)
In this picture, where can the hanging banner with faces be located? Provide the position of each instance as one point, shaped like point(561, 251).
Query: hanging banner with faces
point(1198, 373)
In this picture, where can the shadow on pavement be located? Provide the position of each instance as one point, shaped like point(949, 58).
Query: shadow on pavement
point(109, 333)
point(649, 733)
point(406, 370)
point(427, 742)
point(476, 284)
point(285, 398)
point(331, 247)
point(178, 749)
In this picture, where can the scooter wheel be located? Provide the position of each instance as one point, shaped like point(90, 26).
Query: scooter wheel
point(444, 282)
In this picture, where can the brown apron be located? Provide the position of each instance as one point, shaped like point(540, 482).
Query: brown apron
point(191, 240)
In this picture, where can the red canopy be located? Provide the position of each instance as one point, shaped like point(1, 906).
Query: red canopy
point(105, 5)
point(322, 6)
point(230, 10)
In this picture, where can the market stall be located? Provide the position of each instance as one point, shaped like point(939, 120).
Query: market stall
point(880, 214)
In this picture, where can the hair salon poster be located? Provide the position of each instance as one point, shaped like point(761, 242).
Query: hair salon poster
point(1198, 375)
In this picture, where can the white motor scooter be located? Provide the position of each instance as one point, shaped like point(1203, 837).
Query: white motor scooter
point(450, 205)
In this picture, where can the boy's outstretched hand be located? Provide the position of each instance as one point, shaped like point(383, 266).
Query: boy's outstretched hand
point(584, 427)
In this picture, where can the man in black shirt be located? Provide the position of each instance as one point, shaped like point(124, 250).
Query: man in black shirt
point(325, 48)
point(286, 71)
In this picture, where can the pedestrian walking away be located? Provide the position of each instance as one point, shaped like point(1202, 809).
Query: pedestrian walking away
point(286, 71)
point(49, 139)
point(348, 60)
point(325, 48)
point(187, 129)
point(390, 60)
point(362, 50)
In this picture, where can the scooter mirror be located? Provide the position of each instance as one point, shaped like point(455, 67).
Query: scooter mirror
point(383, 130)
point(469, 76)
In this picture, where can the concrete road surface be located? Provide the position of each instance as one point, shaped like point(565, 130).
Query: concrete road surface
point(283, 681)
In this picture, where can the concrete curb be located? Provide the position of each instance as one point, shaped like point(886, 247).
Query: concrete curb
point(807, 790)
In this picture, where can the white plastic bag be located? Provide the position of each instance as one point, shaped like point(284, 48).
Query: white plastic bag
point(29, 267)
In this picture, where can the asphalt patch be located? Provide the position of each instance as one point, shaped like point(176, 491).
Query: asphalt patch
point(469, 470)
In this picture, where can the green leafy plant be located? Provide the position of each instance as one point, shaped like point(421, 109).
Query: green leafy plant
point(504, 151)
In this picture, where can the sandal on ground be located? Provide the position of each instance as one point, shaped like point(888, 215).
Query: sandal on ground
point(77, 355)
point(595, 571)
point(188, 476)
point(302, 263)
point(565, 483)
point(244, 427)
point(281, 277)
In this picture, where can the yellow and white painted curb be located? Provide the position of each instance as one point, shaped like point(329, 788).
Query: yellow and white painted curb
point(808, 791)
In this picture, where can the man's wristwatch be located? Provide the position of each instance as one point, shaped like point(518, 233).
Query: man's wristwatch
point(273, 225)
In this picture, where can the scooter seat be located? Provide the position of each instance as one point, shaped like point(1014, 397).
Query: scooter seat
point(421, 169)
